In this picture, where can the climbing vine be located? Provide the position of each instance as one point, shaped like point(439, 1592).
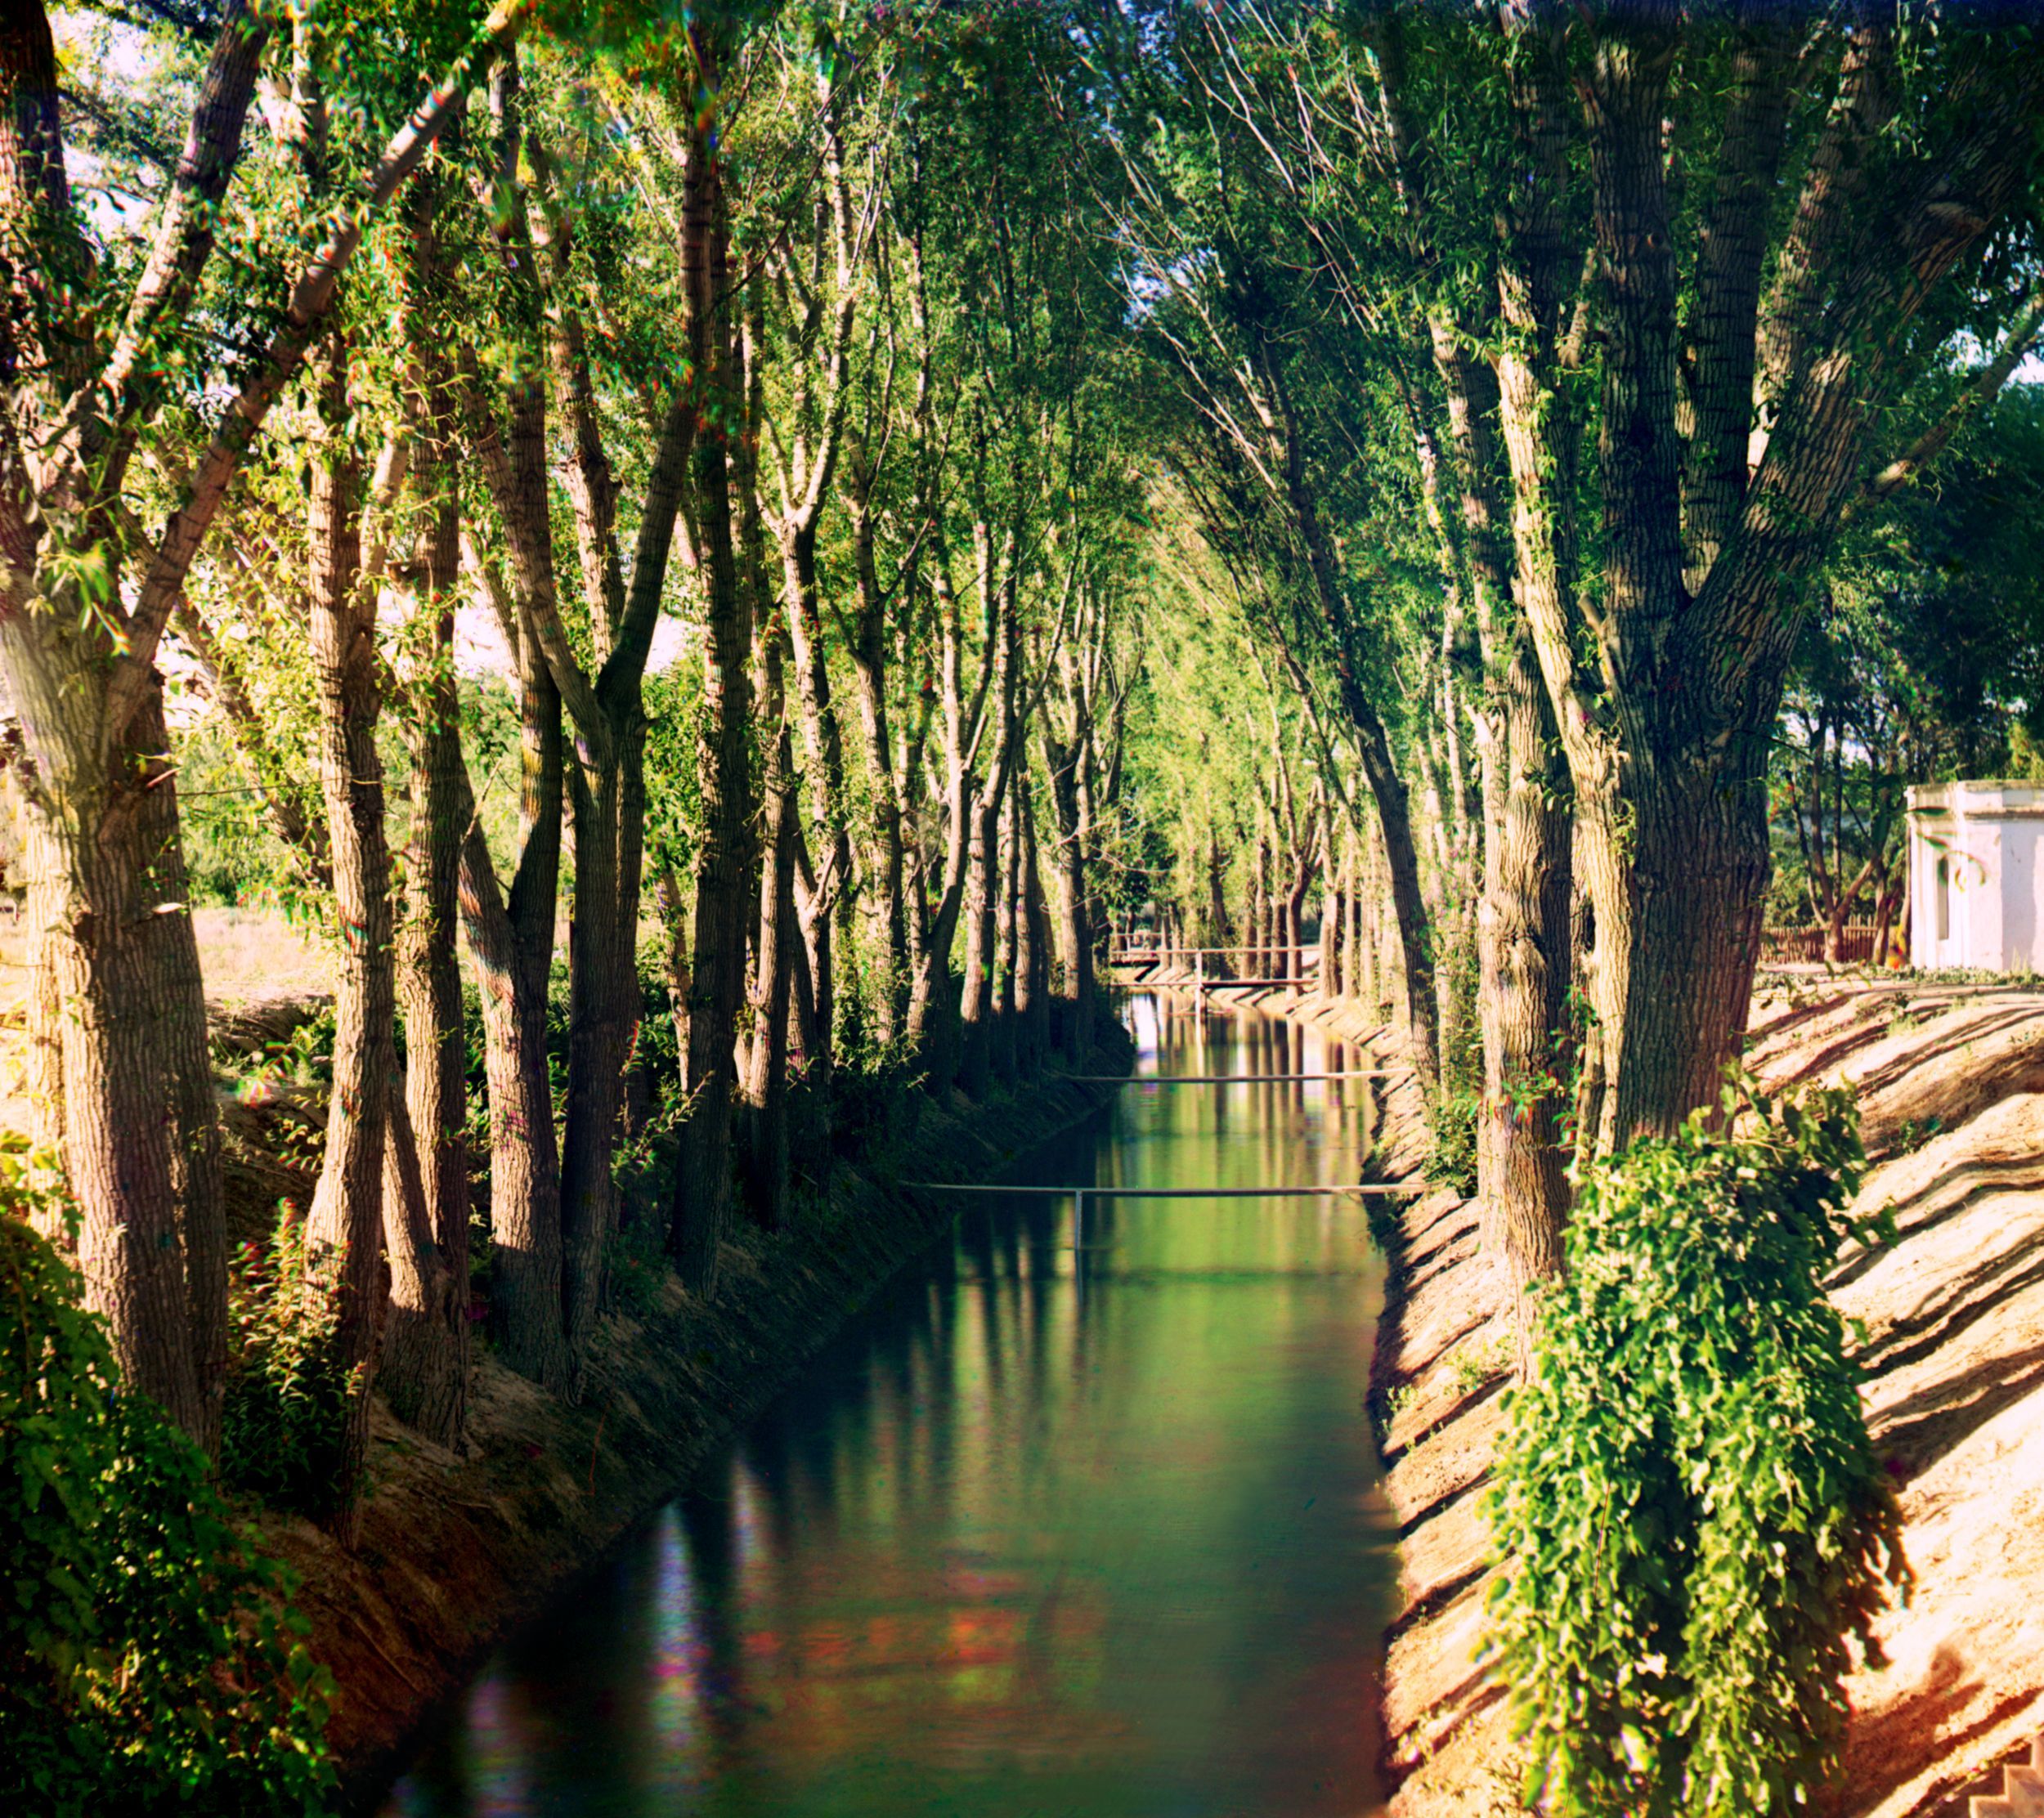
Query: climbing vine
point(1693, 1528)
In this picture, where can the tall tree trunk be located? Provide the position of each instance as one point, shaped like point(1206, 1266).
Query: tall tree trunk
point(426, 1347)
point(1357, 983)
point(605, 699)
point(1071, 925)
point(136, 1132)
point(702, 1184)
point(1522, 914)
point(674, 918)
point(1304, 868)
point(116, 1141)
point(1888, 899)
point(44, 860)
point(511, 969)
point(766, 1080)
point(603, 1021)
point(934, 1004)
point(1373, 743)
point(887, 893)
point(824, 743)
point(1033, 957)
point(1257, 961)
point(1007, 949)
point(195, 1170)
point(511, 941)
point(1330, 978)
point(976, 1006)
point(1526, 950)
point(511, 932)
point(344, 1229)
point(1216, 930)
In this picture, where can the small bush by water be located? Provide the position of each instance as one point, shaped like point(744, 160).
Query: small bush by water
point(150, 1661)
point(286, 1417)
point(1693, 1528)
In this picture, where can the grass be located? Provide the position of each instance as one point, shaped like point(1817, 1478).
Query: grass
point(243, 953)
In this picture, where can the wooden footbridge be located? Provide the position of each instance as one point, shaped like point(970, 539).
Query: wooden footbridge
point(1080, 1192)
point(1260, 968)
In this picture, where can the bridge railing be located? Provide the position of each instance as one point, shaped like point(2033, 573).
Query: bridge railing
point(1146, 954)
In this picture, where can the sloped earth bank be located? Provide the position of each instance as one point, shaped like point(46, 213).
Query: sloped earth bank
point(1951, 1079)
point(455, 1551)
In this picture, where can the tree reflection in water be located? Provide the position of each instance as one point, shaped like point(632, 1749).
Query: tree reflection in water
point(1078, 1522)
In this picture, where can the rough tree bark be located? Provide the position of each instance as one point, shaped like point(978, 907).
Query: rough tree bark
point(1033, 959)
point(1522, 921)
point(79, 679)
point(1007, 949)
point(344, 1227)
point(511, 931)
point(702, 1186)
point(1071, 921)
point(426, 1347)
point(1665, 687)
point(766, 1077)
point(933, 1012)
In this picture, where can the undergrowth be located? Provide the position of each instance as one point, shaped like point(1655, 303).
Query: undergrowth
point(1452, 1157)
point(285, 1416)
point(150, 1661)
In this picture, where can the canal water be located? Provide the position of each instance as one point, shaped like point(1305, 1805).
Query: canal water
point(1080, 1520)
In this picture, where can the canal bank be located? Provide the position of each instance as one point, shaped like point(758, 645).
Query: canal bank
point(1950, 1319)
point(1082, 1516)
point(455, 1551)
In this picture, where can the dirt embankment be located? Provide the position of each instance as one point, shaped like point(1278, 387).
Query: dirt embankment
point(1950, 1080)
point(454, 1550)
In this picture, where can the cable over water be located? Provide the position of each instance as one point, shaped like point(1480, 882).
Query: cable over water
point(1083, 1524)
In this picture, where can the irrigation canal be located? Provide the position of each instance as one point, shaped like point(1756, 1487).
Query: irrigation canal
point(1072, 1524)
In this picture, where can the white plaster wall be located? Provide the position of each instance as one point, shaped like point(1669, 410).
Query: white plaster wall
point(1923, 914)
point(1980, 882)
point(1929, 840)
point(1973, 851)
point(2022, 912)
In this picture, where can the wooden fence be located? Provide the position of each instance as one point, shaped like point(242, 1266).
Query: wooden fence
point(1786, 945)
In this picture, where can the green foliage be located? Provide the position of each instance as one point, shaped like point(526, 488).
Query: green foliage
point(635, 1263)
point(149, 1660)
point(1473, 1365)
point(232, 854)
point(1692, 1525)
point(875, 1102)
point(1452, 1119)
point(305, 1057)
point(287, 1386)
point(1910, 1134)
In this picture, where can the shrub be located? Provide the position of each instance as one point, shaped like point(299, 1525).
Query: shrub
point(1692, 1527)
point(283, 1429)
point(149, 1662)
point(1451, 1119)
point(875, 1102)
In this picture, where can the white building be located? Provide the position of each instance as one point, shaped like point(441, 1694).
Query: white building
point(1976, 886)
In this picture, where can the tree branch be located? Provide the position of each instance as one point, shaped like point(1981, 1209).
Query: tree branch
point(311, 296)
point(1982, 390)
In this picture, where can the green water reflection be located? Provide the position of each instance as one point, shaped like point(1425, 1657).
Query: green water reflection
point(1081, 1522)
